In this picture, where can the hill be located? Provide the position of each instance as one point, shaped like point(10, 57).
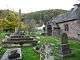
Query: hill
point(44, 15)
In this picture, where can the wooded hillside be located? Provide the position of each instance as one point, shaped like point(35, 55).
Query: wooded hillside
point(44, 15)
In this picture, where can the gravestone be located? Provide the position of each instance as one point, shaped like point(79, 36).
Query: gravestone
point(20, 38)
point(46, 52)
point(12, 54)
point(64, 46)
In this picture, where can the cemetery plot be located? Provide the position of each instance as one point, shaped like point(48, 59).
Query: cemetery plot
point(29, 54)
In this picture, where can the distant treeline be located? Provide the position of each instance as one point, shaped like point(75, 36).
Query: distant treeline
point(44, 15)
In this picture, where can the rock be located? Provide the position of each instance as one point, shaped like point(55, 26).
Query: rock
point(14, 54)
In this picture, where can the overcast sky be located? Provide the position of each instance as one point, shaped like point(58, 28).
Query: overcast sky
point(37, 5)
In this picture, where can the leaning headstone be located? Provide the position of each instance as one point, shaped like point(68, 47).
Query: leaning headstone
point(64, 47)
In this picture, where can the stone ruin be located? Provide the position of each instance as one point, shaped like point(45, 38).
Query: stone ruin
point(64, 46)
point(53, 29)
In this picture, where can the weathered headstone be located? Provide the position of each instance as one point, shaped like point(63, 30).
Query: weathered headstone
point(19, 38)
point(64, 47)
point(46, 52)
point(12, 54)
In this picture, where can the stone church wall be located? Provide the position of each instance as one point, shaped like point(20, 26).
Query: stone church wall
point(74, 28)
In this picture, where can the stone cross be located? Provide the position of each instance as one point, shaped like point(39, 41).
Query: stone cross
point(64, 46)
point(64, 38)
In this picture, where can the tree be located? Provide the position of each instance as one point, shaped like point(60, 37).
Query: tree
point(10, 21)
point(1, 24)
point(44, 15)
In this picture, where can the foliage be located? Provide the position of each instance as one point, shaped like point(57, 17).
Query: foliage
point(64, 38)
point(44, 15)
point(2, 50)
point(2, 34)
point(3, 13)
point(28, 53)
point(74, 45)
point(9, 20)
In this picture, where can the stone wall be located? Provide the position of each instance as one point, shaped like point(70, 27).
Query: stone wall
point(74, 28)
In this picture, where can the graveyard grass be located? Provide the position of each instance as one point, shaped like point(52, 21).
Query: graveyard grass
point(74, 45)
point(29, 54)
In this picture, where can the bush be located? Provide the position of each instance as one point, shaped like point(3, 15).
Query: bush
point(2, 50)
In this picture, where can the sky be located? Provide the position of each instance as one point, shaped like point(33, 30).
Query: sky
point(28, 6)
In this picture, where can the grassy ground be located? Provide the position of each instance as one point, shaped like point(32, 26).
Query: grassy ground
point(29, 54)
point(2, 50)
point(74, 45)
point(2, 35)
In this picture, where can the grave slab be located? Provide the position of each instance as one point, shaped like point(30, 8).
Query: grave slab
point(6, 54)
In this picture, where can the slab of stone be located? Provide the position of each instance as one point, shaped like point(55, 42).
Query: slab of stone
point(5, 56)
point(49, 58)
